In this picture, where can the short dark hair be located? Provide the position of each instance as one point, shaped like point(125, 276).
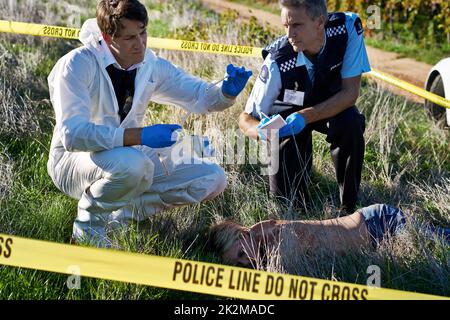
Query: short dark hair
point(110, 12)
point(314, 8)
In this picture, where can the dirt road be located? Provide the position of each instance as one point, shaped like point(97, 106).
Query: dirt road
point(406, 69)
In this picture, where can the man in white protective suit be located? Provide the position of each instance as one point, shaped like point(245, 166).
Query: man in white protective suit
point(101, 152)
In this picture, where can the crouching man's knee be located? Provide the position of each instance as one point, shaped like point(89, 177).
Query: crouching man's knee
point(127, 173)
point(212, 183)
point(220, 182)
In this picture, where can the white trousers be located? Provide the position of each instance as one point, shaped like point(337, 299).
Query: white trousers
point(127, 184)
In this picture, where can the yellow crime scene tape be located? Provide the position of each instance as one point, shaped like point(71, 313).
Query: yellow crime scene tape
point(204, 47)
point(157, 43)
point(410, 88)
point(39, 30)
point(178, 274)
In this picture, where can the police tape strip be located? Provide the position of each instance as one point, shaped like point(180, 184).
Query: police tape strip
point(178, 274)
point(204, 47)
point(39, 30)
point(157, 43)
point(410, 88)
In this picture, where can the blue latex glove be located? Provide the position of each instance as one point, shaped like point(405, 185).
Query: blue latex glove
point(295, 124)
point(237, 79)
point(262, 132)
point(159, 135)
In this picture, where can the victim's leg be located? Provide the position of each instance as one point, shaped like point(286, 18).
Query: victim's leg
point(384, 220)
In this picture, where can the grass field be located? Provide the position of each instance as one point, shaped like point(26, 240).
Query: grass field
point(407, 163)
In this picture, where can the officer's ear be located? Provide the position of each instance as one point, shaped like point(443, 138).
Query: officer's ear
point(321, 22)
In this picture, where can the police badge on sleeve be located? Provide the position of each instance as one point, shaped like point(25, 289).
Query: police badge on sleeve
point(264, 74)
point(358, 26)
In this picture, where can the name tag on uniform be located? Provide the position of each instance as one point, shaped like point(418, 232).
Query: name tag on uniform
point(294, 97)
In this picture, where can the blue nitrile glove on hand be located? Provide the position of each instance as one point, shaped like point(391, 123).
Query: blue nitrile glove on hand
point(236, 81)
point(262, 132)
point(159, 135)
point(295, 124)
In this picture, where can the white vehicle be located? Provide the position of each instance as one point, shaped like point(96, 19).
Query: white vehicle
point(438, 82)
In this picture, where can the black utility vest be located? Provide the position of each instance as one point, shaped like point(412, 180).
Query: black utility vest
point(327, 80)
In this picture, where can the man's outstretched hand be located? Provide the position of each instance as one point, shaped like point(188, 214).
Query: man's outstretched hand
point(236, 81)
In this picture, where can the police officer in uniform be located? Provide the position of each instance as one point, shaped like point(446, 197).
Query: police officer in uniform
point(311, 77)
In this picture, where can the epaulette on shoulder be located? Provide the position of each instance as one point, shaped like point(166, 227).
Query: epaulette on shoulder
point(274, 46)
point(335, 25)
point(335, 18)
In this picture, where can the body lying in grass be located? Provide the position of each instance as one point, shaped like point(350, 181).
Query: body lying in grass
point(244, 246)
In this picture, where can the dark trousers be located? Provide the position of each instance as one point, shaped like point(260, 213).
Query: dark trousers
point(345, 135)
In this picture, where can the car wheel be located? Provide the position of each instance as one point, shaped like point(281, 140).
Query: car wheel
point(436, 111)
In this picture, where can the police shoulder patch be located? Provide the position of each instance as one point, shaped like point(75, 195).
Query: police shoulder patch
point(358, 26)
point(264, 74)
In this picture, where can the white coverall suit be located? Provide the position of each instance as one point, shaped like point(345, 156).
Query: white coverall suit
point(116, 184)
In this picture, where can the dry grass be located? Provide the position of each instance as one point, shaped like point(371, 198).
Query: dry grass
point(6, 169)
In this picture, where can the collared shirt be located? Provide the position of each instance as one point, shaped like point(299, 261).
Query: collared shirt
point(85, 112)
point(122, 80)
point(110, 59)
point(267, 88)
